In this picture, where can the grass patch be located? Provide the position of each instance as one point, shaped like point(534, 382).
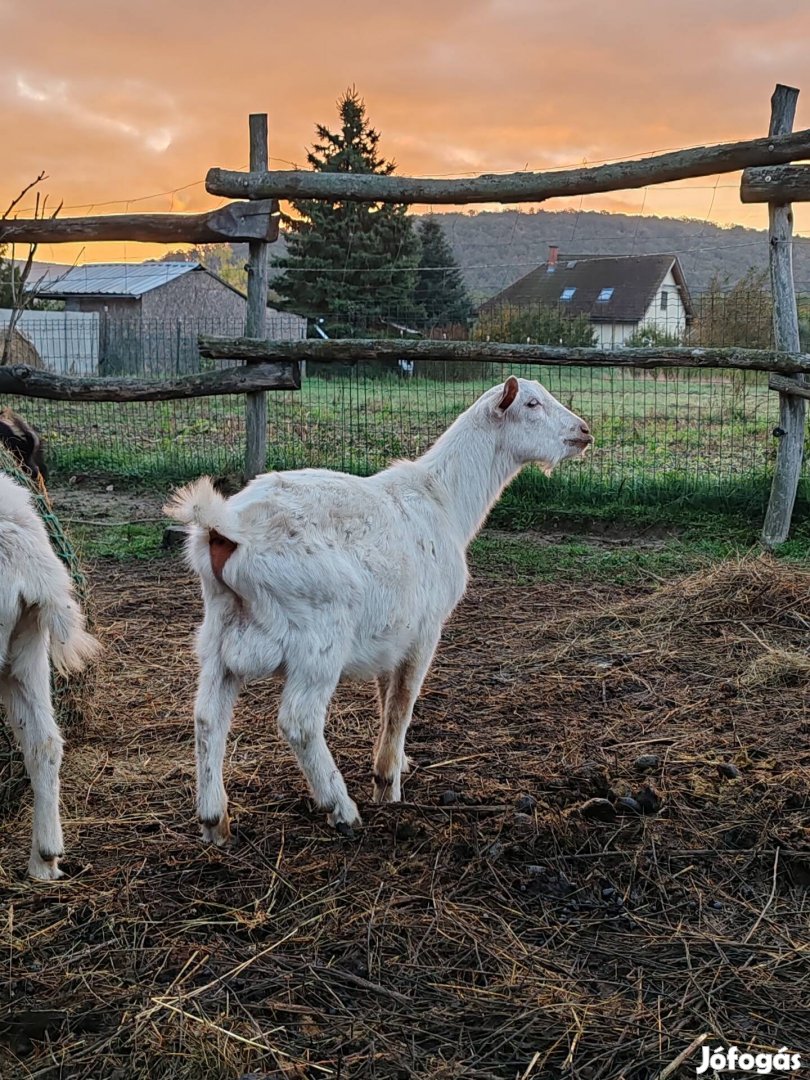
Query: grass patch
point(517, 557)
point(680, 443)
point(528, 559)
point(138, 541)
point(691, 452)
point(733, 512)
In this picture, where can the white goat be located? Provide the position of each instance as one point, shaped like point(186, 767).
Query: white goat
point(319, 575)
point(38, 616)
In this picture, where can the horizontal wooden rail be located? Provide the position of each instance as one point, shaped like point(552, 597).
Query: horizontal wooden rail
point(32, 382)
point(349, 350)
point(781, 184)
point(277, 368)
point(789, 386)
point(513, 187)
point(238, 222)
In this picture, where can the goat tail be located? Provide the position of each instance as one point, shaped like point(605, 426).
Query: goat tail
point(200, 504)
point(71, 645)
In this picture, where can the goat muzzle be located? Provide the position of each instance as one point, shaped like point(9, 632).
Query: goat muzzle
point(583, 443)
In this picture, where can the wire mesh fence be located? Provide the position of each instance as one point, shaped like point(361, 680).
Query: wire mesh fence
point(658, 433)
point(675, 433)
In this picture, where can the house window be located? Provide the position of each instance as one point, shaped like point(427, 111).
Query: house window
point(664, 299)
point(567, 294)
point(604, 296)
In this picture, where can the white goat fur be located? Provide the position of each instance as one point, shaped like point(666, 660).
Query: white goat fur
point(39, 616)
point(331, 575)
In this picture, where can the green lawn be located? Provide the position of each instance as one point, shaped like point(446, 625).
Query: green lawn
point(525, 560)
point(685, 441)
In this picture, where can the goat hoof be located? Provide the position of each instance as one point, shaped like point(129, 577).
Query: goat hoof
point(45, 869)
point(218, 832)
point(385, 791)
point(344, 822)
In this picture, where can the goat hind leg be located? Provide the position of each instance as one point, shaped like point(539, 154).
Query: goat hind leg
point(301, 721)
point(216, 695)
point(383, 684)
point(390, 761)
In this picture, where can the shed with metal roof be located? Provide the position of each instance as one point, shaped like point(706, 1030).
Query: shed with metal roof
point(123, 280)
point(150, 314)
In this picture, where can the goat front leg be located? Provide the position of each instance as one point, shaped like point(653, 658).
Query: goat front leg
point(301, 721)
point(216, 696)
point(400, 691)
point(26, 696)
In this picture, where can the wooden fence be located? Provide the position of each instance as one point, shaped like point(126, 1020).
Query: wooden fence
point(253, 379)
point(272, 365)
point(356, 350)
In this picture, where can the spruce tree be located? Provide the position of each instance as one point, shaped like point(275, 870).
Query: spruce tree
point(351, 263)
point(440, 289)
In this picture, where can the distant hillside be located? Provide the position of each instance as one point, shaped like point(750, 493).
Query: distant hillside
point(495, 249)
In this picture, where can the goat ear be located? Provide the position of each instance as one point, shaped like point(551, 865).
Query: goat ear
point(510, 390)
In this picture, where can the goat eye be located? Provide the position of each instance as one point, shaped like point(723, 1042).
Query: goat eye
point(533, 404)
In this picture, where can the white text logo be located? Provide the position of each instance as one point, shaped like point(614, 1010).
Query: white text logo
point(732, 1060)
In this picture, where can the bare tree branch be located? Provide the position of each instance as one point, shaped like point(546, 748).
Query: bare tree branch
point(21, 297)
point(14, 202)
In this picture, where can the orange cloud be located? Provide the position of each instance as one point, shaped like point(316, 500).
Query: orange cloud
point(119, 104)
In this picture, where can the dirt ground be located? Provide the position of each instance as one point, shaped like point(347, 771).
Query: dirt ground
point(94, 503)
point(104, 504)
point(499, 924)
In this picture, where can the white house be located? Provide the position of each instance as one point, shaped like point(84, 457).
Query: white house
point(620, 294)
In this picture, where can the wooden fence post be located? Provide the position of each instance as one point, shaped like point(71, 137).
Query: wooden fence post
point(786, 339)
point(256, 319)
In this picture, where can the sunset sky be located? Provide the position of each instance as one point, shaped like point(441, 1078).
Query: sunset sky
point(122, 103)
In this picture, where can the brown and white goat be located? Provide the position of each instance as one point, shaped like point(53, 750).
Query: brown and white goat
point(39, 619)
point(17, 435)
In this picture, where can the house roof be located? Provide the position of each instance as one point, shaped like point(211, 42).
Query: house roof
point(634, 279)
point(116, 279)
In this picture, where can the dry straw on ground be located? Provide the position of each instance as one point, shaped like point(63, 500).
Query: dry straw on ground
point(486, 929)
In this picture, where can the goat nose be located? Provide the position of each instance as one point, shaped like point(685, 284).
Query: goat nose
point(584, 429)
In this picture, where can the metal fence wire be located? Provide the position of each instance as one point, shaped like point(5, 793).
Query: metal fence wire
point(660, 433)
